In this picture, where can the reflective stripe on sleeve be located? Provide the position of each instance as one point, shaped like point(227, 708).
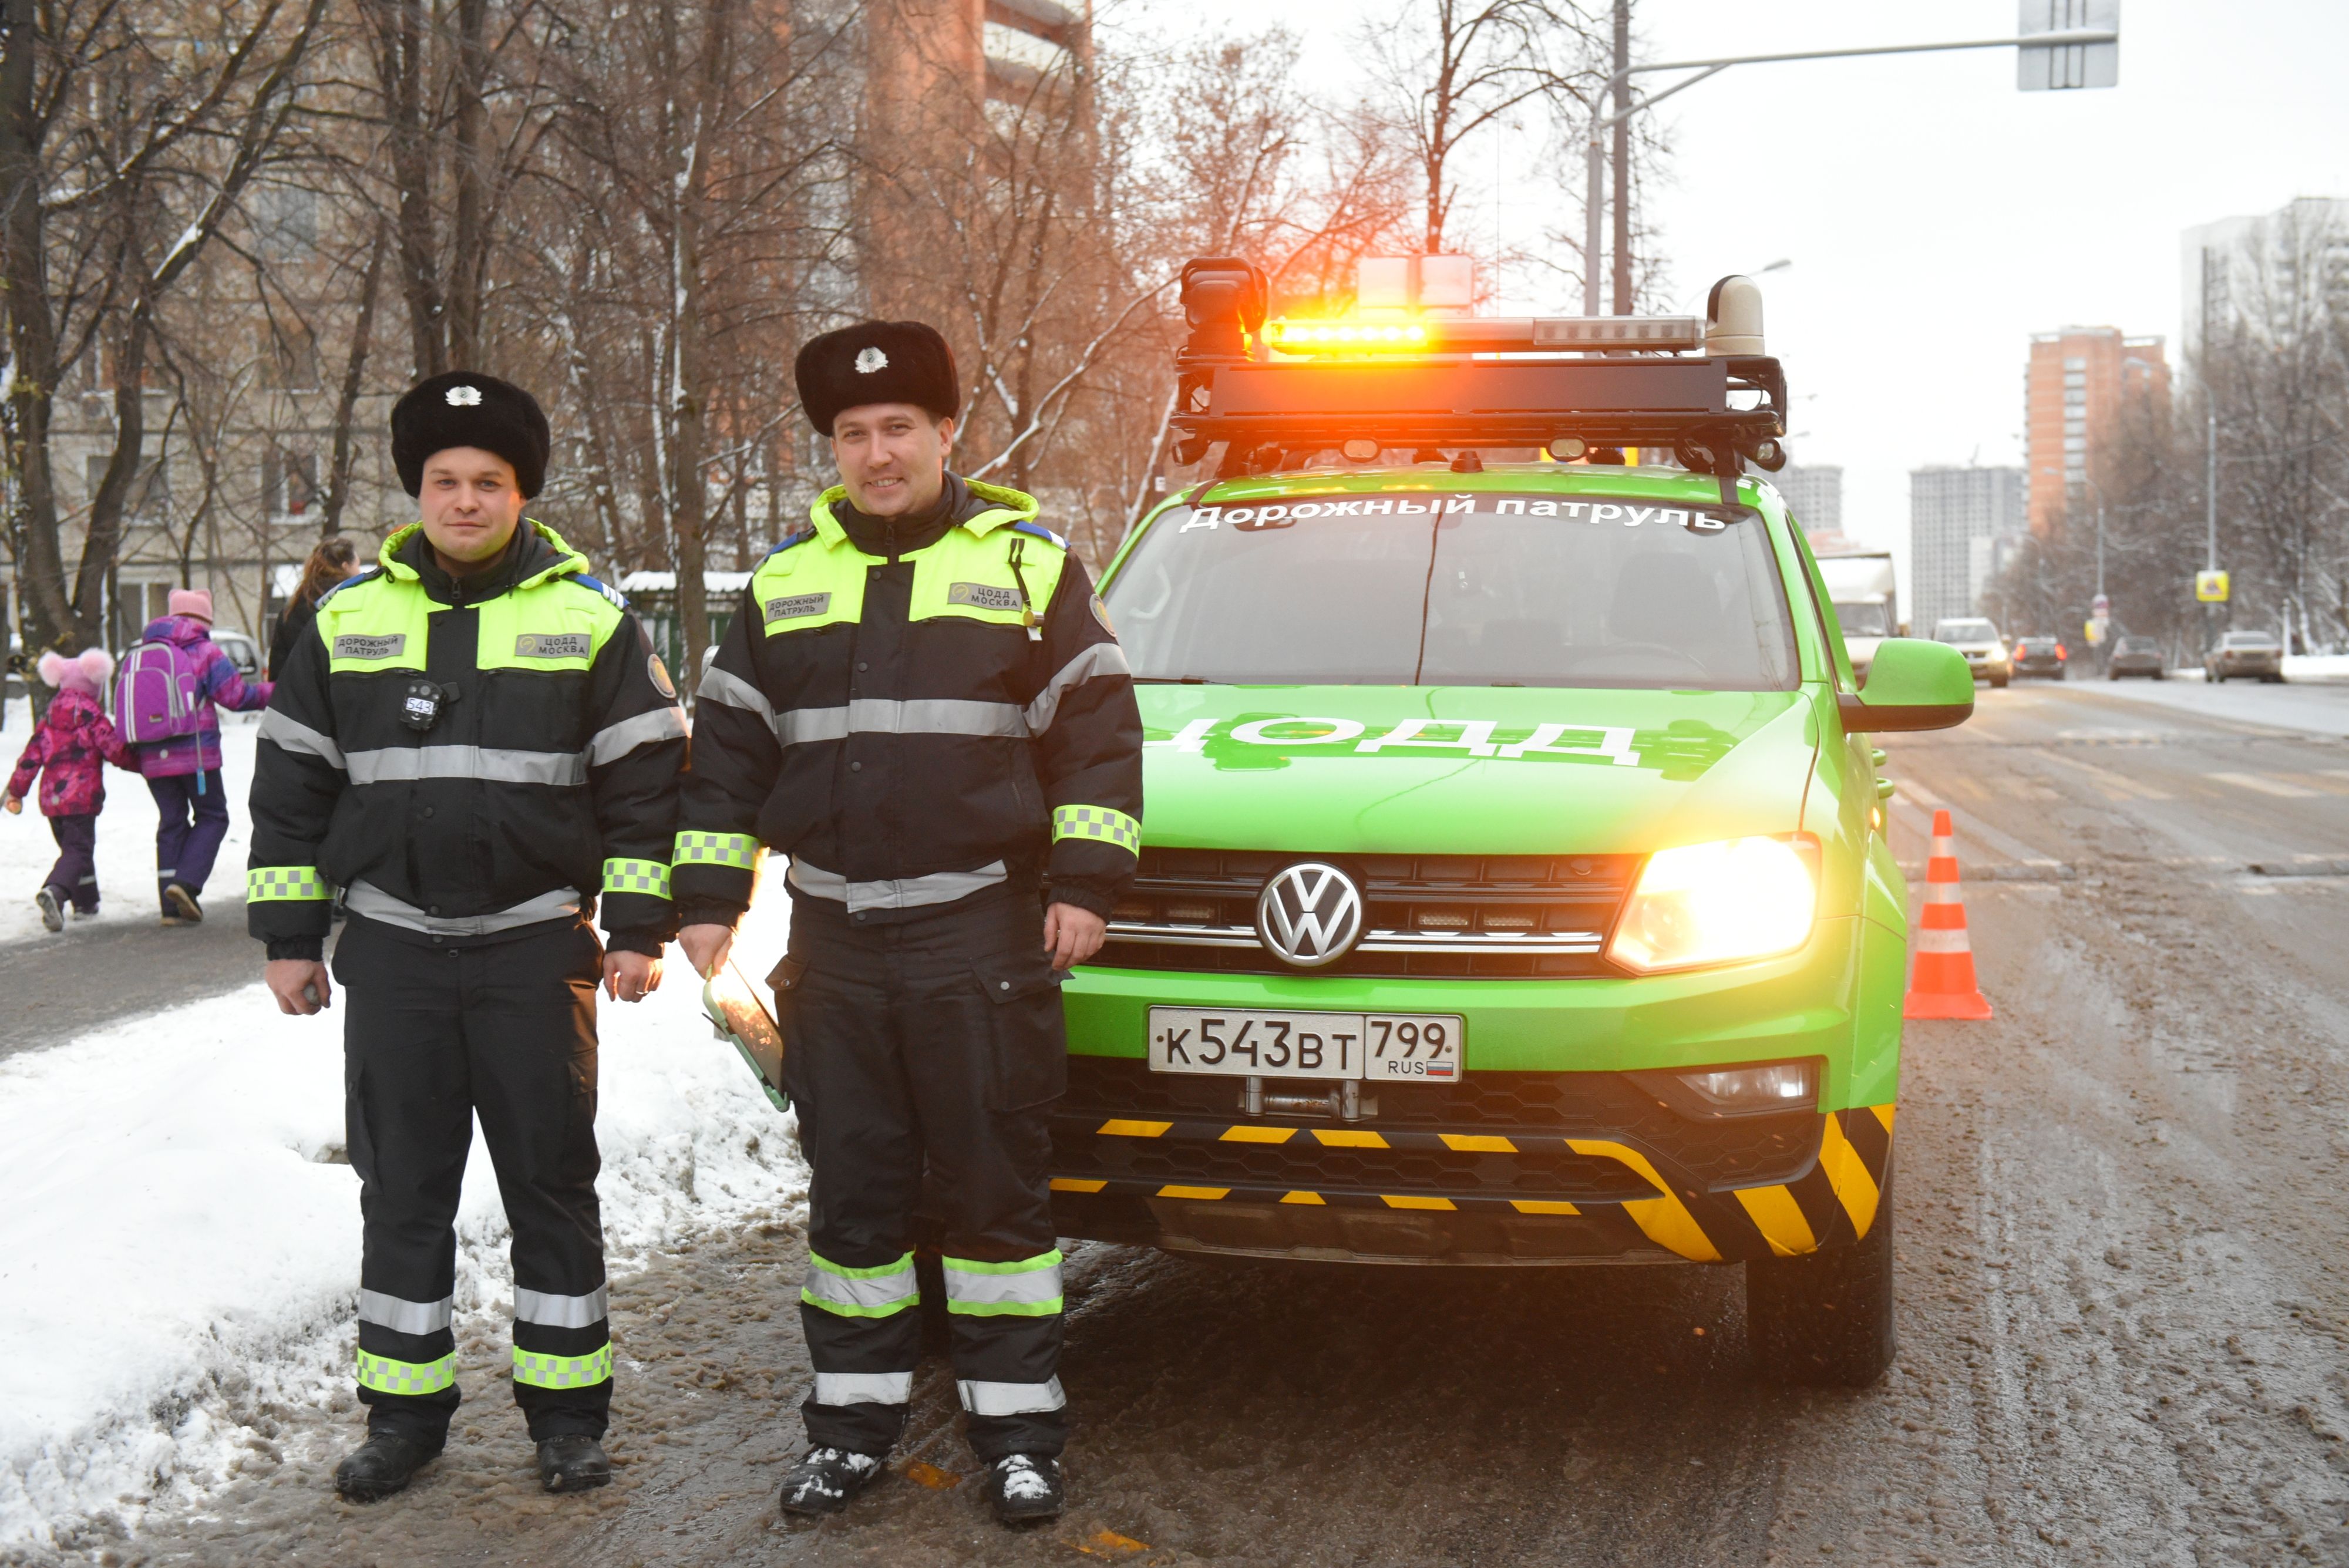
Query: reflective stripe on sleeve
point(293, 736)
point(622, 875)
point(879, 1291)
point(392, 764)
point(541, 1370)
point(1097, 822)
point(551, 1311)
point(613, 741)
point(285, 884)
point(864, 1387)
point(1011, 1398)
point(903, 893)
point(731, 691)
point(1098, 658)
point(1028, 1288)
point(695, 848)
point(385, 1376)
point(404, 1316)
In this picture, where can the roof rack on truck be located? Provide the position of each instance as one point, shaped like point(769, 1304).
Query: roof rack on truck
point(1276, 391)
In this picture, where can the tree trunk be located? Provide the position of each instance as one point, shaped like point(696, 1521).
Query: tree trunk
point(102, 540)
point(32, 372)
point(468, 241)
point(338, 478)
point(689, 392)
point(399, 64)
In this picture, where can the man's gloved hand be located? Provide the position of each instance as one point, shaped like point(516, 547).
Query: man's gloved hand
point(631, 977)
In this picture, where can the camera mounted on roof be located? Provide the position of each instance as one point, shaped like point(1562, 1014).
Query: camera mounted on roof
point(1394, 375)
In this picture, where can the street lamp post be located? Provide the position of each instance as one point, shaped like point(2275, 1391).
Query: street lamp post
point(2081, 56)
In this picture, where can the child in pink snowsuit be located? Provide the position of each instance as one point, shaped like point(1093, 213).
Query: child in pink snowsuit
point(70, 750)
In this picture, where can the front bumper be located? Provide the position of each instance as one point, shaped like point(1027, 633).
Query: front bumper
point(1547, 1150)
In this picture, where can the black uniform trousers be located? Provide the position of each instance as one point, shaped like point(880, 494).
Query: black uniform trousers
point(935, 1047)
point(437, 1032)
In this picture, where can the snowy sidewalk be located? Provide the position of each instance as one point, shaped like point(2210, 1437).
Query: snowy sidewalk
point(182, 1248)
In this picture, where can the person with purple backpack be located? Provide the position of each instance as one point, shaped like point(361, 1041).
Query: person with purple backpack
point(70, 750)
point(174, 679)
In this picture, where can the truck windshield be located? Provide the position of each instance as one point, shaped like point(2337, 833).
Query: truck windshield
point(1406, 590)
point(1864, 618)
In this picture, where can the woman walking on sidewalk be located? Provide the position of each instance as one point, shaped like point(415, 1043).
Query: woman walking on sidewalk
point(70, 750)
point(183, 772)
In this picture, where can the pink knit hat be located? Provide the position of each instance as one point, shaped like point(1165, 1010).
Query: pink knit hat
point(87, 674)
point(195, 602)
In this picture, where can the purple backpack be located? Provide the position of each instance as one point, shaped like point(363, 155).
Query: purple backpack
point(155, 694)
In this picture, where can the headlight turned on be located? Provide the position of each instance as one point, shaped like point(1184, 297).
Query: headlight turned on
point(1725, 902)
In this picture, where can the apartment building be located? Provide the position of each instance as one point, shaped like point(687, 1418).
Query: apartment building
point(2080, 386)
point(1963, 524)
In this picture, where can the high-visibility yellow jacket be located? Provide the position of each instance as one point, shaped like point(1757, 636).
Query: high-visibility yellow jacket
point(918, 729)
point(469, 757)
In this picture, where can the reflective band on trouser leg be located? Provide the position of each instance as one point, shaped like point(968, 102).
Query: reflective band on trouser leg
point(542, 1371)
point(1028, 1288)
point(1097, 822)
point(880, 1292)
point(864, 1387)
point(624, 876)
point(385, 1376)
point(740, 850)
point(268, 884)
point(1011, 1398)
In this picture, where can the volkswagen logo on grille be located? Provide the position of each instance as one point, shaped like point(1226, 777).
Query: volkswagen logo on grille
point(1310, 915)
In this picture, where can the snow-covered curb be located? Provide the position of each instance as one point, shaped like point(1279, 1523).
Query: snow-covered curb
point(180, 1248)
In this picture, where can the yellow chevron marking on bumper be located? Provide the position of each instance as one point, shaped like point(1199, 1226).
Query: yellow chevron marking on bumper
point(1258, 1134)
point(1313, 1197)
point(1848, 1174)
point(1884, 1114)
point(1665, 1219)
point(1407, 1200)
point(1076, 1184)
point(1477, 1143)
point(1115, 1127)
point(1780, 1219)
point(1209, 1192)
point(1342, 1138)
point(1541, 1205)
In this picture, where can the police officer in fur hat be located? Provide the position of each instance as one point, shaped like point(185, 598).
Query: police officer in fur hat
point(921, 702)
point(477, 744)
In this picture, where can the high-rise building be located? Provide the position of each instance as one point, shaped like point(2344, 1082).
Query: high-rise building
point(2255, 266)
point(2082, 384)
point(1814, 493)
point(1957, 518)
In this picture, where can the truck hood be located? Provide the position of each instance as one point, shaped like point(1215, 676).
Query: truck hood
point(1469, 770)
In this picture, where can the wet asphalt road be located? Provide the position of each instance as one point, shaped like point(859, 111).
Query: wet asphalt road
point(2123, 1289)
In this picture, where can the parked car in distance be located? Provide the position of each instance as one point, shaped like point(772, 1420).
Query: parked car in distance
point(241, 651)
point(1979, 640)
point(2040, 656)
point(2135, 656)
point(2242, 653)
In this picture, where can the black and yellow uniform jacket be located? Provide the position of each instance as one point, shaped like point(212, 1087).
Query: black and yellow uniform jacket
point(468, 757)
point(918, 713)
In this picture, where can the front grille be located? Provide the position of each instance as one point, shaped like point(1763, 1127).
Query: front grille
point(1500, 916)
point(1544, 1108)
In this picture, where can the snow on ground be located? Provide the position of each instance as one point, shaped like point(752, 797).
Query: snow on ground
point(126, 835)
point(182, 1247)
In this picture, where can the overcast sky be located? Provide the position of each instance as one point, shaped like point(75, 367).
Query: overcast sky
point(1935, 216)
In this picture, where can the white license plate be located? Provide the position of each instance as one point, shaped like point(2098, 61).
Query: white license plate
point(1422, 1047)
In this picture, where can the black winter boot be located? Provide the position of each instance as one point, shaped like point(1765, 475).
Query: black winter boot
point(572, 1464)
point(382, 1465)
point(1025, 1486)
point(826, 1478)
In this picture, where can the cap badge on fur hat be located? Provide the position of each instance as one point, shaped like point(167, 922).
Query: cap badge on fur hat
point(870, 360)
point(464, 397)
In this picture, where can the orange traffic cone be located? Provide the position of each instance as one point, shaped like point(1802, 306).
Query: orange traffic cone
point(1943, 985)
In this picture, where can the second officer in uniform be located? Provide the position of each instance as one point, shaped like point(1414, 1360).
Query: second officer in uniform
point(474, 743)
point(920, 700)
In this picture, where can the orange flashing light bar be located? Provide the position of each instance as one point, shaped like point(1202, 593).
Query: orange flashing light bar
point(1338, 336)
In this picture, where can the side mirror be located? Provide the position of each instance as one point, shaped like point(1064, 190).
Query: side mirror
point(1912, 684)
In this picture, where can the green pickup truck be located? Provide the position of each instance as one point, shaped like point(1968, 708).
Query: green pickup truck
point(1515, 888)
